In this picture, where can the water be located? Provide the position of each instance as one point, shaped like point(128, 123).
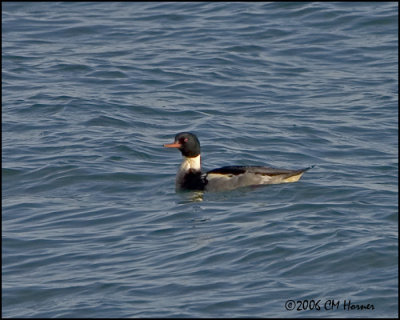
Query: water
point(92, 226)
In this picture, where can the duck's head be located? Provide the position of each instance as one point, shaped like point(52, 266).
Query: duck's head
point(187, 143)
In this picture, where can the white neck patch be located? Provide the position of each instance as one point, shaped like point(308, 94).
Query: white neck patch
point(190, 163)
point(187, 164)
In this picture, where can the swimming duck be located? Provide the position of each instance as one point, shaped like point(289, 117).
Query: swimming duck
point(190, 177)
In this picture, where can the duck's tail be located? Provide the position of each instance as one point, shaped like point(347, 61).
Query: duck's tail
point(296, 174)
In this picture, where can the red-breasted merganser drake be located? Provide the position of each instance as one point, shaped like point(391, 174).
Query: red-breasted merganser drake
point(190, 177)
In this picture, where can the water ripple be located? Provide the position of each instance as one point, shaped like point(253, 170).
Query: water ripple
point(92, 224)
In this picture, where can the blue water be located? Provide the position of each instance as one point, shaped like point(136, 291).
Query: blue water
point(92, 225)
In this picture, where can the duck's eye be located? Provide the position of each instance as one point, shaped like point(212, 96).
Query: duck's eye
point(184, 140)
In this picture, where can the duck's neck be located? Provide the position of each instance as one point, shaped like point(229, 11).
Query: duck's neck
point(189, 165)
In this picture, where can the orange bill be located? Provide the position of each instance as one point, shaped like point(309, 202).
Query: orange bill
point(173, 145)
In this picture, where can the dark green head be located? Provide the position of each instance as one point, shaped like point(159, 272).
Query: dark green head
point(187, 143)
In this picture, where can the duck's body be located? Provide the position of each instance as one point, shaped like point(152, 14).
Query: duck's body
point(190, 177)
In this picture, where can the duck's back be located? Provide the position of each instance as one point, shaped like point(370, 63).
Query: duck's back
point(231, 177)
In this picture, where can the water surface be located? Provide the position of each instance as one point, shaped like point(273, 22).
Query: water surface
point(92, 226)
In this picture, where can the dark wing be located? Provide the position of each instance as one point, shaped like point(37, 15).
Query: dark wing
point(236, 170)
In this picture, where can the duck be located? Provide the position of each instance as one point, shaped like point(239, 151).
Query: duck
point(190, 177)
